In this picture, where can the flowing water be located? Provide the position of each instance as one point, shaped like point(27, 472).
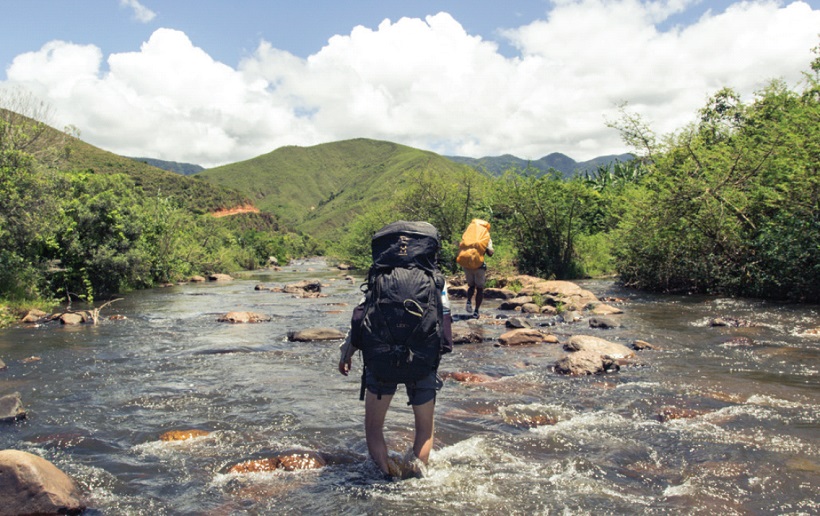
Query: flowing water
point(529, 442)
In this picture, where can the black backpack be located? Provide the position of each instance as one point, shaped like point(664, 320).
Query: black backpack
point(400, 327)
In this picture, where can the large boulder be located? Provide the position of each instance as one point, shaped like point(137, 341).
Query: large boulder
point(220, 277)
point(33, 316)
point(11, 408)
point(516, 302)
point(467, 334)
point(32, 485)
point(244, 317)
point(604, 322)
point(498, 293)
point(571, 295)
point(312, 334)
point(583, 363)
point(523, 336)
point(604, 347)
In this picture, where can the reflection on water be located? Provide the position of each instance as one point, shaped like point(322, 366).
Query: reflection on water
point(716, 420)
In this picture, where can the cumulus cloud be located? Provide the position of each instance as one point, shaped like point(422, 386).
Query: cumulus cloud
point(141, 13)
point(425, 83)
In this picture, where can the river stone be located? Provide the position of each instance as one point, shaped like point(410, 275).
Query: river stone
point(197, 279)
point(497, 293)
point(220, 277)
point(182, 435)
point(312, 334)
point(72, 319)
point(602, 309)
point(521, 337)
point(32, 485)
point(457, 292)
point(605, 347)
point(641, 345)
point(464, 377)
point(303, 286)
point(603, 322)
point(288, 461)
point(570, 294)
point(549, 310)
point(582, 363)
point(33, 316)
point(467, 334)
point(516, 302)
point(2, 364)
point(11, 408)
point(517, 322)
point(244, 317)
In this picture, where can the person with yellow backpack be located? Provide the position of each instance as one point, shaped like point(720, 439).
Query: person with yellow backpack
point(475, 243)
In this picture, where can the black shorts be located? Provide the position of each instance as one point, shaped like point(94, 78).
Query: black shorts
point(418, 393)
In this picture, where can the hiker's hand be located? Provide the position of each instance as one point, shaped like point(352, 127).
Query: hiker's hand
point(345, 365)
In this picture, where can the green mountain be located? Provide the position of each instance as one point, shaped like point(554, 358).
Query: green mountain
point(186, 169)
point(197, 195)
point(497, 165)
point(319, 189)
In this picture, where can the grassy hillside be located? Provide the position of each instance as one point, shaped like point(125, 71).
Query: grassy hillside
point(319, 189)
point(197, 195)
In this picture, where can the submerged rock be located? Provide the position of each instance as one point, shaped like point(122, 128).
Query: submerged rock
point(465, 377)
point(603, 309)
point(312, 334)
point(182, 435)
point(11, 408)
point(33, 485)
point(603, 322)
point(286, 461)
point(244, 317)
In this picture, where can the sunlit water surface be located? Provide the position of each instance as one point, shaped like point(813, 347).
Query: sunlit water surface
point(100, 396)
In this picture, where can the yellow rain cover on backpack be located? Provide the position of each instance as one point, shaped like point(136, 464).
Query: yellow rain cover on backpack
point(474, 244)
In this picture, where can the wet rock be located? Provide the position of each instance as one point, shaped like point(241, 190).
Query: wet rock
point(72, 319)
point(813, 331)
point(2, 365)
point(603, 322)
point(464, 377)
point(220, 277)
point(467, 334)
point(526, 417)
point(584, 362)
point(565, 292)
point(182, 435)
point(312, 334)
point(641, 345)
point(669, 413)
point(244, 317)
point(117, 317)
point(731, 322)
point(520, 337)
point(287, 461)
point(313, 285)
point(598, 345)
point(260, 286)
point(571, 316)
point(530, 308)
point(738, 342)
point(33, 485)
point(516, 302)
point(496, 293)
point(11, 408)
point(457, 291)
point(603, 309)
point(29, 360)
point(549, 310)
point(345, 267)
point(33, 316)
point(517, 322)
point(197, 279)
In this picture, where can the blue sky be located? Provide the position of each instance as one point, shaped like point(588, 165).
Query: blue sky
point(213, 82)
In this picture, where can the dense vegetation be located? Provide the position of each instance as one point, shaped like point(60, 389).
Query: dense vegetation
point(730, 205)
point(82, 223)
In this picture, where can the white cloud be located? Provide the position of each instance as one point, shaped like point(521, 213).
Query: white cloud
point(141, 13)
point(425, 83)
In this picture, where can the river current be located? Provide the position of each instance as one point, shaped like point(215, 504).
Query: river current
point(715, 420)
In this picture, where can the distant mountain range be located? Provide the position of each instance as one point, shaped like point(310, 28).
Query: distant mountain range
point(186, 169)
point(497, 165)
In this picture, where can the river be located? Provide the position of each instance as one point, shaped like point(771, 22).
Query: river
point(100, 396)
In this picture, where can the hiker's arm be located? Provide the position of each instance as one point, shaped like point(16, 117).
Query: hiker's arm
point(346, 360)
point(489, 251)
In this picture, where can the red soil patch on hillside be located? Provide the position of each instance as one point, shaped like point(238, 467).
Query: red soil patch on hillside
point(224, 212)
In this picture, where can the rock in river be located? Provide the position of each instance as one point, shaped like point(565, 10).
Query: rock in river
point(311, 334)
point(33, 485)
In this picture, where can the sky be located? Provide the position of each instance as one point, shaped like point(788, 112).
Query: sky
point(212, 82)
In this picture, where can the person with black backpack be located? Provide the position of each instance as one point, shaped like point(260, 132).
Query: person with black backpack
point(403, 327)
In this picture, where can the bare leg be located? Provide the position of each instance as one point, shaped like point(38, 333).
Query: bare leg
point(424, 429)
point(375, 410)
point(470, 291)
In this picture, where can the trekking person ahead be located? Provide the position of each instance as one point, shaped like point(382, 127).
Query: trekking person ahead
point(403, 327)
point(475, 243)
